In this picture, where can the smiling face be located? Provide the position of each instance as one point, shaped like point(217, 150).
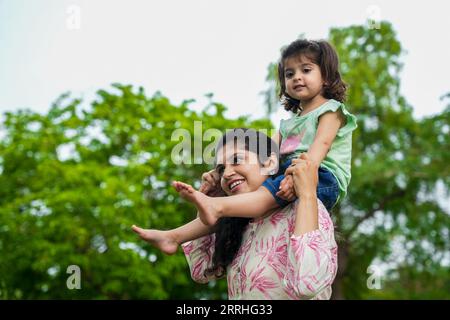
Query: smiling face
point(303, 78)
point(240, 170)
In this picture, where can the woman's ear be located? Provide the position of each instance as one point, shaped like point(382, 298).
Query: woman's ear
point(270, 166)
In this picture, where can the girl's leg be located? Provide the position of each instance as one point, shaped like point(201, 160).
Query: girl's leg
point(327, 188)
point(169, 240)
point(249, 205)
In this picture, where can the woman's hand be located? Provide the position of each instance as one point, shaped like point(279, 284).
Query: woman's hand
point(305, 174)
point(211, 184)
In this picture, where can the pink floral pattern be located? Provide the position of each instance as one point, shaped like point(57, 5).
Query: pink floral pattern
point(272, 263)
point(290, 144)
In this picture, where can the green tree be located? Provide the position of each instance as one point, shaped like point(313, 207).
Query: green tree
point(74, 180)
point(397, 211)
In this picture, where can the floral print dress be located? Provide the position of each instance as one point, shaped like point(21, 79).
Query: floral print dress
point(272, 262)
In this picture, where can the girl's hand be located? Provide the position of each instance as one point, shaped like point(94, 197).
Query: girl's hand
point(287, 191)
point(211, 184)
point(305, 174)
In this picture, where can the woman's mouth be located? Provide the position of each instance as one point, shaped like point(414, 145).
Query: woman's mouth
point(235, 185)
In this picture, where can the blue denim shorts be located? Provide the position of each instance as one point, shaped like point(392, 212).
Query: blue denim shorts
point(327, 188)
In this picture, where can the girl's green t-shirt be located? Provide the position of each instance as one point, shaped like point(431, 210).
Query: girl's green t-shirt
point(298, 134)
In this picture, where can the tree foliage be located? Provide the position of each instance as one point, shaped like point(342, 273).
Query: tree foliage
point(74, 180)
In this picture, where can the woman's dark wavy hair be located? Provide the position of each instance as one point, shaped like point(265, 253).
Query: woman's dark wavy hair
point(322, 54)
point(229, 231)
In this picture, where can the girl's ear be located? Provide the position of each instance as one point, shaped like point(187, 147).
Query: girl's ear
point(270, 166)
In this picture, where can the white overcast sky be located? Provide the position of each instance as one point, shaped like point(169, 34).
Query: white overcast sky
point(186, 49)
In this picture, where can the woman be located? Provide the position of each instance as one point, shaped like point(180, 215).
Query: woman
point(289, 253)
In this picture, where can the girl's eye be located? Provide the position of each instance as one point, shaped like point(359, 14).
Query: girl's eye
point(306, 70)
point(289, 75)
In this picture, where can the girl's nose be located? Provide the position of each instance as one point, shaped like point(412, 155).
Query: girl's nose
point(297, 76)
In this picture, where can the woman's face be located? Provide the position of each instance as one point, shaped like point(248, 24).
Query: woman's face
point(240, 169)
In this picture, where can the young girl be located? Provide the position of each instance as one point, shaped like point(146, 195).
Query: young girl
point(311, 87)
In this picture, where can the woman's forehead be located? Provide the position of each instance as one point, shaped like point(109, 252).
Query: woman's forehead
point(229, 151)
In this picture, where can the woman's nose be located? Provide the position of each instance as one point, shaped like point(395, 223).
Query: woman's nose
point(228, 172)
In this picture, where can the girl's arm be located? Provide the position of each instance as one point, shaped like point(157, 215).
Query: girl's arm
point(329, 125)
point(312, 250)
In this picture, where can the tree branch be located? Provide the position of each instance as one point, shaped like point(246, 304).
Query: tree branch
point(381, 206)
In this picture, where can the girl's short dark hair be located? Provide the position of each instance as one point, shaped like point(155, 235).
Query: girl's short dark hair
point(322, 54)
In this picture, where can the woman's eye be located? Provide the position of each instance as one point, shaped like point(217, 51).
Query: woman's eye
point(237, 160)
point(220, 169)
